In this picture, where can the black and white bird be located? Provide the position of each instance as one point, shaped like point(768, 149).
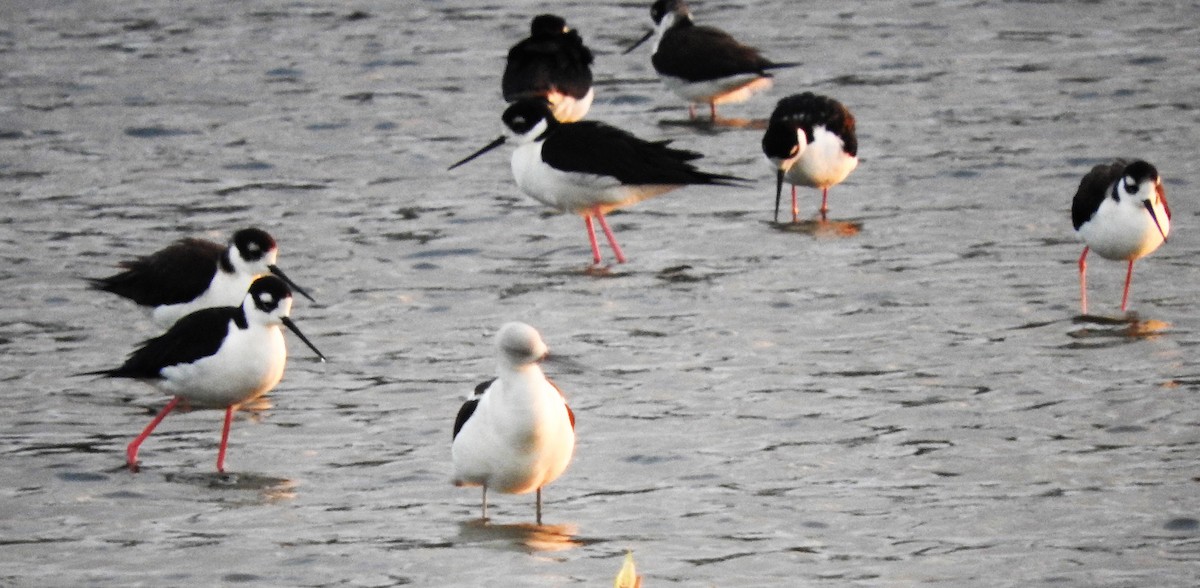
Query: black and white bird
point(701, 64)
point(810, 141)
point(219, 357)
point(515, 434)
point(1120, 211)
point(553, 63)
point(590, 168)
point(191, 274)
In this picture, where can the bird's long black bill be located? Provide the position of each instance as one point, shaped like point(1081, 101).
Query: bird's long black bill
point(639, 42)
point(778, 191)
point(1150, 209)
point(278, 272)
point(494, 144)
point(287, 322)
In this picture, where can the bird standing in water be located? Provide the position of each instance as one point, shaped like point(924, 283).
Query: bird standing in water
point(515, 434)
point(1120, 211)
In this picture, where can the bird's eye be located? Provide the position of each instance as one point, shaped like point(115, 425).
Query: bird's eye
point(1131, 185)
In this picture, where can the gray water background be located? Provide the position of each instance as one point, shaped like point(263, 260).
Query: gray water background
point(916, 404)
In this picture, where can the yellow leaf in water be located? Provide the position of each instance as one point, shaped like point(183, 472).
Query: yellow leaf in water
point(627, 577)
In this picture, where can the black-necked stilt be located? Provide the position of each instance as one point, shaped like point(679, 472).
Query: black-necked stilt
point(191, 274)
point(218, 357)
point(515, 434)
point(554, 64)
point(810, 141)
point(1120, 211)
point(701, 64)
point(590, 168)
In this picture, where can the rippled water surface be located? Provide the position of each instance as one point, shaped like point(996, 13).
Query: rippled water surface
point(911, 399)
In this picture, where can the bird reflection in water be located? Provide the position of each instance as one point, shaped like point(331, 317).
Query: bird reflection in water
point(525, 537)
point(1118, 329)
point(830, 229)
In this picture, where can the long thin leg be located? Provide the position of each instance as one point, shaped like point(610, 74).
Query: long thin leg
point(712, 109)
point(539, 506)
point(485, 503)
point(612, 240)
point(132, 450)
point(691, 111)
point(1083, 280)
point(587, 221)
point(1128, 279)
point(225, 438)
point(795, 206)
point(824, 203)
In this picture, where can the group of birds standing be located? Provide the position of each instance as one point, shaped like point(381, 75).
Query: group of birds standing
point(224, 304)
point(590, 168)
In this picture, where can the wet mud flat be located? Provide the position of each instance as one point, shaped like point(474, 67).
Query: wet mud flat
point(910, 399)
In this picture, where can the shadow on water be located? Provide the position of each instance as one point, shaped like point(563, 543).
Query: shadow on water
point(826, 229)
point(1101, 331)
point(524, 537)
point(713, 125)
point(270, 487)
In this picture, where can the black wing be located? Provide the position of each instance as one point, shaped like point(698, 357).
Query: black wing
point(700, 53)
point(1093, 189)
point(537, 67)
point(809, 110)
point(193, 337)
point(173, 275)
point(468, 407)
point(596, 148)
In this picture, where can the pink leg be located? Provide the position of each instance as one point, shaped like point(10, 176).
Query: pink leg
point(1128, 279)
point(712, 109)
point(612, 241)
point(795, 206)
point(587, 220)
point(824, 203)
point(132, 450)
point(224, 439)
point(1083, 280)
point(691, 111)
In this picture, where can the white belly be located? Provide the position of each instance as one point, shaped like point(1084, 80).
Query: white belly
point(1124, 233)
point(248, 364)
point(514, 445)
point(574, 192)
point(224, 290)
point(722, 91)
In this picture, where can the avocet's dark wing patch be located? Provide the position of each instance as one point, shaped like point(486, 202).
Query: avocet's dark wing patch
point(468, 407)
point(1093, 189)
point(173, 275)
point(700, 53)
point(596, 148)
point(193, 337)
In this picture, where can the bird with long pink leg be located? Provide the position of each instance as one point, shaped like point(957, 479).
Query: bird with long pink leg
point(1120, 211)
point(590, 168)
point(220, 357)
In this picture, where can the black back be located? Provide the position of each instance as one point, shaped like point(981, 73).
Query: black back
point(468, 407)
point(173, 275)
point(807, 111)
point(596, 148)
point(191, 338)
point(549, 60)
point(700, 53)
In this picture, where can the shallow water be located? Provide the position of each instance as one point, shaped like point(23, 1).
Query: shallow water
point(915, 402)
